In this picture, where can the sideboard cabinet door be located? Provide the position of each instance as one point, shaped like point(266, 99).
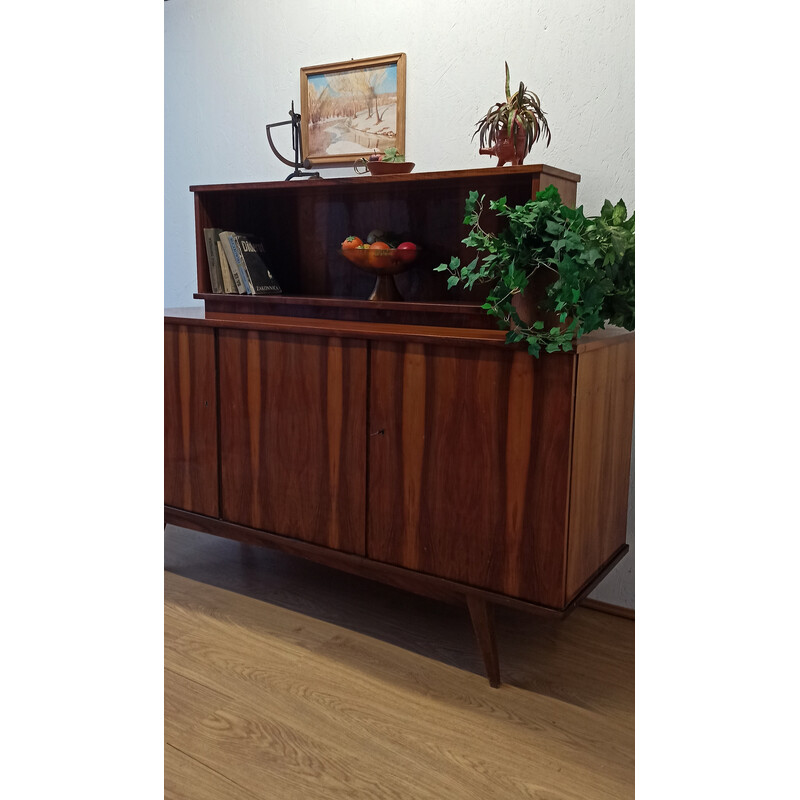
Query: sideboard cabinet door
point(293, 435)
point(469, 477)
point(191, 477)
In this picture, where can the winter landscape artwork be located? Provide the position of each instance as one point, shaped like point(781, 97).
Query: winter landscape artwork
point(350, 109)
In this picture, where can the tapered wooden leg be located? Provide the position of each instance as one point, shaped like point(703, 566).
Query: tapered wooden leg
point(482, 615)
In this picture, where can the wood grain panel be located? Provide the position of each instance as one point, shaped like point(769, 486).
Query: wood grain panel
point(190, 420)
point(469, 477)
point(293, 435)
point(567, 188)
point(375, 329)
point(448, 591)
point(457, 315)
point(601, 459)
point(393, 183)
point(201, 221)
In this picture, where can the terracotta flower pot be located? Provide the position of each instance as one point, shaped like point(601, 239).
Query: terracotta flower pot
point(507, 149)
point(528, 304)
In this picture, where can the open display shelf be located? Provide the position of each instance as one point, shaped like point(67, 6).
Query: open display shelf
point(304, 223)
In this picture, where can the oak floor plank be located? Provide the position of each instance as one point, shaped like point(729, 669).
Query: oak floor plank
point(407, 717)
point(275, 756)
point(188, 779)
point(531, 647)
point(290, 682)
point(538, 655)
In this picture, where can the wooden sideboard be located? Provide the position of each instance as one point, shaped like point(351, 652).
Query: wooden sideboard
point(402, 441)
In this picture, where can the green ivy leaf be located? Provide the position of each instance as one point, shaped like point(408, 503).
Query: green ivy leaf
point(550, 194)
point(606, 285)
point(591, 255)
point(593, 295)
point(498, 205)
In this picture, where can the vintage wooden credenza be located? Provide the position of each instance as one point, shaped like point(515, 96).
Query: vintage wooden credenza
point(402, 441)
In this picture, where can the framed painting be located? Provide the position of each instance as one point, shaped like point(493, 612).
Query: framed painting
point(350, 109)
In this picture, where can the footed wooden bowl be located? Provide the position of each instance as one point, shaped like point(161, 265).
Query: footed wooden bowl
point(385, 264)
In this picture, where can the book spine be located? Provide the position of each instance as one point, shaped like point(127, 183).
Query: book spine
point(236, 249)
point(225, 237)
point(240, 266)
point(227, 277)
point(214, 271)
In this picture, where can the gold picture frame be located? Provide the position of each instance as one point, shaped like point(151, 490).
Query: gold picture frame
point(351, 108)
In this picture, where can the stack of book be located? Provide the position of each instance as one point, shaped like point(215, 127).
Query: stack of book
point(237, 263)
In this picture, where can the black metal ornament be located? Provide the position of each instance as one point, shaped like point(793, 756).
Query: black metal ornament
point(299, 161)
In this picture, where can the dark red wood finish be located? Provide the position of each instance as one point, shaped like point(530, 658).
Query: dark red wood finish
point(482, 615)
point(293, 435)
point(469, 465)
point(428, 585)
point(601, 460)
point(429, 334)
point(449, 314)
point(190, 419)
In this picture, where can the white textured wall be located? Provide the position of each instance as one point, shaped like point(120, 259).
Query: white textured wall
point(231, 67)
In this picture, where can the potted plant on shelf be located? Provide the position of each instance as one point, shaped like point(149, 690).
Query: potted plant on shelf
point(511, 128)
point(575, 272)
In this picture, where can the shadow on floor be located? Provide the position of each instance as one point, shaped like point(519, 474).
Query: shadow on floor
point(532, 649)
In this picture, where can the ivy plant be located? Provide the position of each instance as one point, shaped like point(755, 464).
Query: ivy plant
point(588, 263)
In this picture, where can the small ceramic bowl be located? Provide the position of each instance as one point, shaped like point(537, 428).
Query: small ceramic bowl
point(389, 167)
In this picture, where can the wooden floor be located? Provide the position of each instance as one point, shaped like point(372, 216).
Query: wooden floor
point(285, 679)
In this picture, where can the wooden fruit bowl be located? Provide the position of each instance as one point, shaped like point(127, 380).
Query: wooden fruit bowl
point(381, 262)
point(384, 264)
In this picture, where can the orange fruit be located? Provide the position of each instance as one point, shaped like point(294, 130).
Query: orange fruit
point(376, 260)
